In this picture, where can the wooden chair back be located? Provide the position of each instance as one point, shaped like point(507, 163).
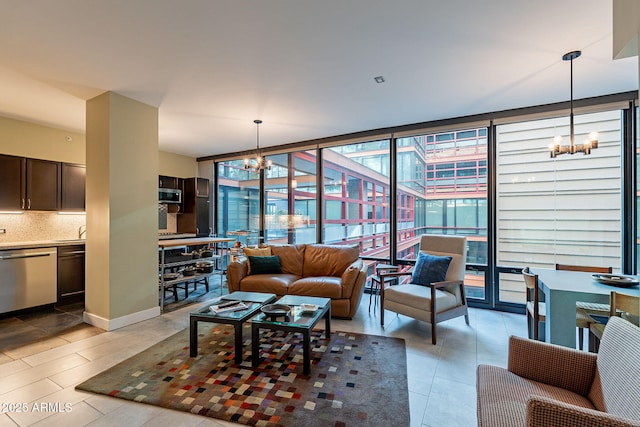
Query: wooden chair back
point(628, 306)
point(532, 294)
point(586, 268)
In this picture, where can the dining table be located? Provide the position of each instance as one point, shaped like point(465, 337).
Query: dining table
point(562, 289)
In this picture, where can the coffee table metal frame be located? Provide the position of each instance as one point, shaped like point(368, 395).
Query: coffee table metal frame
point(235, 318)
point(301, 323)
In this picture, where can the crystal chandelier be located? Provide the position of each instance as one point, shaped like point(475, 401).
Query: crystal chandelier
point(555, 148)
point(258, 162)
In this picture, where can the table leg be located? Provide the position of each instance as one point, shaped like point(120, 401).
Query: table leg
point(306, 352)
point(255, 345)
point(238, 344)
point(327, 323)
point(193, 337)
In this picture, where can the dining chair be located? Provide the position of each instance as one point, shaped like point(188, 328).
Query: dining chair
point(622, 305)
point(536, 310)
point(585, 310)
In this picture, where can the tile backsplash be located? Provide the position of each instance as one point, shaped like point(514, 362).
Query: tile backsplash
point(33, 226)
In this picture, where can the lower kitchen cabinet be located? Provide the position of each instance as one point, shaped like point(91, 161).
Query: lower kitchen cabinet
point(71, 274)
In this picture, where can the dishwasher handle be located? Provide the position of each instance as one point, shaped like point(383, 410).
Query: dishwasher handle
point(8, 257)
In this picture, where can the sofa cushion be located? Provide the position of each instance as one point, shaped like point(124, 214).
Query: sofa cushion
point(251, 252)
point(503, 396)
point(291, 257)
point(328, 260)
point(430, 269)
point(327, 287)
point(268, 283)
point(265, 264)
point(419, 297)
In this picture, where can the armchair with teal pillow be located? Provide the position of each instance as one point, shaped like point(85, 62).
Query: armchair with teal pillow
point(435, 292)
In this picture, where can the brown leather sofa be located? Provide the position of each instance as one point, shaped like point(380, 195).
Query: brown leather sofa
point(330, 271)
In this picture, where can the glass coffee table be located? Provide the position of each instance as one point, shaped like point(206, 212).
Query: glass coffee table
point(297, 321)
point(254, 300)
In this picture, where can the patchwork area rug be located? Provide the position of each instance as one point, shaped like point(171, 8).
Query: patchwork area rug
point(355, 380)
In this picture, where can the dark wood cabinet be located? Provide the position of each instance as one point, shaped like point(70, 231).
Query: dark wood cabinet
point(71, 274)
point(168, 182)
point(196, 216)
point(43, 185)
point(11, 182)
point(202, 187)
point(73, 188)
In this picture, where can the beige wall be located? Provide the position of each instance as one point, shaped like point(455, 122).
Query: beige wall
point(170, 164)
point(122, 207)
point(19, 138)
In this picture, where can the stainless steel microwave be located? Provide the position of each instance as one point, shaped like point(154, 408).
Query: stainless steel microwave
point(169, 195)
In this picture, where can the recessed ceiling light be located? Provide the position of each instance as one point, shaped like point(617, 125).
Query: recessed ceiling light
point(379, 79)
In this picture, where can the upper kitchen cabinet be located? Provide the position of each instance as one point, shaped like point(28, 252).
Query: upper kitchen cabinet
point(168, 182)
point(43, 185)
point(196, 217)
point(11, 182)
point(202, 187)
point(74, 177)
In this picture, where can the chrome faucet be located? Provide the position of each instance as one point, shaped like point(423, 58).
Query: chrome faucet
point(82, 231)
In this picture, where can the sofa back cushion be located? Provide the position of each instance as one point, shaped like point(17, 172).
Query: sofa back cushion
point(328, 260)
point(291, 258)
point(617, 384)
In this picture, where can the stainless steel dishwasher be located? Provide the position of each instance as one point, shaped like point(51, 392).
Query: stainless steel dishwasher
point(28, 278)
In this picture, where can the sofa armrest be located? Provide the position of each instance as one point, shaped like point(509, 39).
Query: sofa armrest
point(546, 412)
point(235, 272)
point(350, 277)
point(551, 364)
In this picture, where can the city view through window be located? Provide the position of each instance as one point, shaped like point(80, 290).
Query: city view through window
point(545, 211)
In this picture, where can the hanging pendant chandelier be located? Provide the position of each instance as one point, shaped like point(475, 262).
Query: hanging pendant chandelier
point(258, 162)
point(555, 148)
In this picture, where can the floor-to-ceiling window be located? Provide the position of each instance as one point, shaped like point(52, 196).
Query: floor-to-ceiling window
point(497, 185)
point(442, 189)
point(564, 210)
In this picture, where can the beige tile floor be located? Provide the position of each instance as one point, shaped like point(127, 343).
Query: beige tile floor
point(441, 378)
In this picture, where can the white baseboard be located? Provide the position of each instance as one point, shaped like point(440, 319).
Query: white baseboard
point(120, 322)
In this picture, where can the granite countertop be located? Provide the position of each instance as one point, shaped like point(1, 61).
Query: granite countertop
point(41, 244)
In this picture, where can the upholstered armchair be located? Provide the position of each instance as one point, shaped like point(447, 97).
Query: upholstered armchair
point(547, 385)
point(435, 292)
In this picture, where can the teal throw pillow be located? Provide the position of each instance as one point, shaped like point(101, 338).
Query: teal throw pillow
point(430, 268)
point(265, 264)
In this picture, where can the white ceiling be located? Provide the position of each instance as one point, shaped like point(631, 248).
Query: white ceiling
point(305, 67)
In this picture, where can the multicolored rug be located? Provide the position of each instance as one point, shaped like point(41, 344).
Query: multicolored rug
point(355, 380)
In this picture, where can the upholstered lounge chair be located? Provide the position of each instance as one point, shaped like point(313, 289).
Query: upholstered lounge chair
point(435, 301)
point(548, 385)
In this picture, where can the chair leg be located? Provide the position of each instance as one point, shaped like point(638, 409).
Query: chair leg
point(593, 343)
point(580, 338)
point(381, 306)
point(529, 326)
point(433, 315)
